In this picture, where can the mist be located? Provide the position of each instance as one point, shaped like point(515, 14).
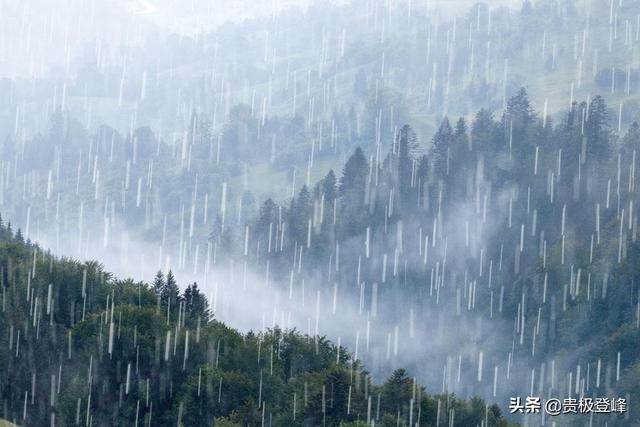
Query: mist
point(430, 184)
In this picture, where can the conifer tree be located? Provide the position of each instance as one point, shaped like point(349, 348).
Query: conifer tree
point(301, 214)
point(352, 192)
point(596, 129)
point(423, 181)
point(330, 193)
point(170, 294)
point(519, 111)
point(406, 149)
point(268, 215)
point(158, 282)
point(440, 149)
point(354, 176)
point(630, 142)
point(196, 305)
point(329, 186)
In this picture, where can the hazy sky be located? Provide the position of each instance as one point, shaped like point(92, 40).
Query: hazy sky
point(34, 35)
point(188, 15)
point(191, 15)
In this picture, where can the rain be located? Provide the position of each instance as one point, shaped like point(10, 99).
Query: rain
point(422, 193)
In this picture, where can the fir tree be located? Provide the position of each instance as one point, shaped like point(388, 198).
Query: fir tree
point(423, 180)
point(267, 216)
point(596, 129)
point(354, 177)
point(440, 149)
point(170, 294)
point(196, 305)
point(301, 214)
point(519, 111)
point(483, 132)
point(329, 187)
point(158, 282)
point(406, 149)
point(352, 193)
point(330, 193)
point(630, 143)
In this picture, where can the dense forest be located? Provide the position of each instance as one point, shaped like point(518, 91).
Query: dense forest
point(452, 195)
point(511, 220)
point(81, 347)
point(517, 230)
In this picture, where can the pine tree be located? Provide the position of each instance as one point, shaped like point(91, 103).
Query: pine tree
point(462, 145)
point(483, 133)
point(461, 128)
point(406, 149)
point(519, 108)
point(630, 142)
point(170, 294)
point(19, 238)
point(268, 215)
point(572, 115)
point(396, 391)
point(352, 193)
point(441, 149)
point(354, 176)
point(329, 187)
point(301, 214)
point(423, 180)
point(196, 305)
point(158, 282)
point(596, 129)
point(517, 119)
point(330, 193)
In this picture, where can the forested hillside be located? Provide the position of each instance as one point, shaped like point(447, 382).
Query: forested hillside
point(80, 347)
point(520, 231)
point(450, 194)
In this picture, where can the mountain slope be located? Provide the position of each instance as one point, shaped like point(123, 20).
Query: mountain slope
point(84, 348)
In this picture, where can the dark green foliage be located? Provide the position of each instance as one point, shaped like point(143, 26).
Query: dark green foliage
point(267, 216)
point(329, 187)
point(596, 129)
point(507, 180)
point(170, 293)
point(196, 307)
point(407, 146)
point(158, 282)
point(354, 175)
point(352, 188)
point(441, 149)
point(100, 353)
